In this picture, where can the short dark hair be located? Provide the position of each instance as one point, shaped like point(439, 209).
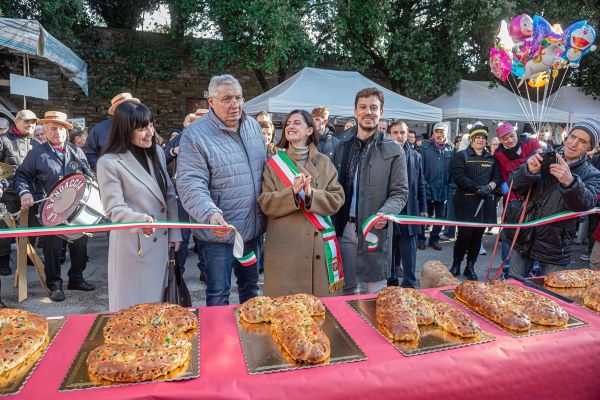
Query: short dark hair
point(314, 138)
point(397, 122)
point(76, 132)
point(368, 92)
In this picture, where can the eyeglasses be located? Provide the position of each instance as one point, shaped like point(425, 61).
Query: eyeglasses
point(227, 101)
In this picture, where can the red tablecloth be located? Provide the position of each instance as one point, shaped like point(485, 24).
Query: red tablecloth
point(557, 365)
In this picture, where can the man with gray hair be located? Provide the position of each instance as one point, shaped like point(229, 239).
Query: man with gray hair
point(219, 172)
point(4, 125)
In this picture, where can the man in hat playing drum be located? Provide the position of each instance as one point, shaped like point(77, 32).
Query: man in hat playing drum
point(44, 167)
point(99, 134)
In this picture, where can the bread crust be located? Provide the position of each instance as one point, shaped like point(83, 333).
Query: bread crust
point(591, 296)
point(570, 278)
point(21, 334)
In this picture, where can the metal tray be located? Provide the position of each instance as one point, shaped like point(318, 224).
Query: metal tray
point(535, 329)
point(264, 354)
point(432, 338)
point(574, 294)
point(12, 381)
point(78, 378)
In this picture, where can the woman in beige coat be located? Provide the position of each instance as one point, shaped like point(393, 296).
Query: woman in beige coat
point(135, 187)
point(294, 249)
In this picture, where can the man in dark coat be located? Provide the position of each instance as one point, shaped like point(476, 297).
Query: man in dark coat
point(43, 168)
point(569, 184)
point(404, 245)
point(372, 170)
point(436, 156)
point(327, 139)
point(99, 134)
point(476, 175)
point(16, 143)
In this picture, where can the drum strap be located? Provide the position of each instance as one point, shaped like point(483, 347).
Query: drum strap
point(85, 169)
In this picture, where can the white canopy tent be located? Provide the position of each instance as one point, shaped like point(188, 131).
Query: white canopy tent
point(475, 100)
point(312, 87)
point(577, 103)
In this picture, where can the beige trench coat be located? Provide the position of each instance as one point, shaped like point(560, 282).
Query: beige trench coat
point(136, 263)
point(294, 250)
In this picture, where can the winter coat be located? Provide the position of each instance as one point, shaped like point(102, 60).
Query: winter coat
point(436, 168)
point(382, 187)
point(294, 250)
point(97, 141)
point(219, 171)
point(328, 142)
point(136, 263)
point(469, 172)
point(20, 146)
point(417, 203)
point(7, 156)
point(42, 169)
point(528, 146)
point(551, 243)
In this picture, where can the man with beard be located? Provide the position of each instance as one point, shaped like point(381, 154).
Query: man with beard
point(372, 170)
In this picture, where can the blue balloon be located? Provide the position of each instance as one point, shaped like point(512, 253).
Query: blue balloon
point(579, 40)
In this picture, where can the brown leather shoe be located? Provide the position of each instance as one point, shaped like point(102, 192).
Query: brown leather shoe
point(421, 246)
point(435, 246)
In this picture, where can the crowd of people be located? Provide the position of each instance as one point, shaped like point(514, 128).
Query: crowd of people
point(298, 202)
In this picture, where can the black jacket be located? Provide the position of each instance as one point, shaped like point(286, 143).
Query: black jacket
point(97, 141)
point(551, 243)
point(469, 172)
point(416, 202)
point(328, 142)
point(7, 156)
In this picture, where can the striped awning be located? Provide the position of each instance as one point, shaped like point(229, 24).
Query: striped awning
point(29, 36)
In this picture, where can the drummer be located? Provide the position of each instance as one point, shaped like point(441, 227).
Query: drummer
point(43, 167)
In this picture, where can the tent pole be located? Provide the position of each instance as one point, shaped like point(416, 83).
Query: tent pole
point(456, 133)
point(24, 74)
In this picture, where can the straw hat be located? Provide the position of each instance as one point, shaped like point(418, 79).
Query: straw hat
point(120, 99)
point(56, 117)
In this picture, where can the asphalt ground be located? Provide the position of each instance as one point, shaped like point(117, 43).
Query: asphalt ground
point(78, 302)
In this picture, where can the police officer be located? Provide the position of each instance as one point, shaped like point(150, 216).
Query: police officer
point(42, 168)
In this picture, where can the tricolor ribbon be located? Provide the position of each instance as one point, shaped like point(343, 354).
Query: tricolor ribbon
point(286, 170)
point(238, 243)
point(371, 239)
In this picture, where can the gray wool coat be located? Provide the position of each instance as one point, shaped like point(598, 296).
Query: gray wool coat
point(136, 263)
point(382, 187)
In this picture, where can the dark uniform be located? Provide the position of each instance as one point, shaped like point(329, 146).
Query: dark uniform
point(44, 166)
point(472, 173)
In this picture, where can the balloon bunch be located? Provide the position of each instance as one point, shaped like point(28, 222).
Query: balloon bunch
point(531, 49)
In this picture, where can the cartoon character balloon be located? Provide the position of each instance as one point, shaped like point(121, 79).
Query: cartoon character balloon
point(500, 63)
point(579, 40)
point(521, 29)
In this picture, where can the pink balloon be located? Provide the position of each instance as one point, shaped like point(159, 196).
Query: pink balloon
point(500, 63)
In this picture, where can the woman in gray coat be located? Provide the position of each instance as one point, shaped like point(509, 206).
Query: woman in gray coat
point(135, 187)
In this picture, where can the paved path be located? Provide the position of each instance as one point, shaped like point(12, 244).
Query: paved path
point(96, 272)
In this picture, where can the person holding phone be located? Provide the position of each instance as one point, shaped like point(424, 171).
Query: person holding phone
point(570, 184)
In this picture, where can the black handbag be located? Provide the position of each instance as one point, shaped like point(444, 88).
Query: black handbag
point(176, 291)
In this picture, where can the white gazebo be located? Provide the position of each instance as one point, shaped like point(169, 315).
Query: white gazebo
point(312, 87)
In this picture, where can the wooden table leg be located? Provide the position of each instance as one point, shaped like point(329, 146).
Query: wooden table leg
point(22, 242)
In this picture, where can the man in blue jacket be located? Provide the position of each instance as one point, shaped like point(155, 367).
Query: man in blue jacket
point(219, 173)
point(436, 156)
point(43, 167)
point(404, 245)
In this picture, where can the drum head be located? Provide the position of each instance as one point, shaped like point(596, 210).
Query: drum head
point(64, 200)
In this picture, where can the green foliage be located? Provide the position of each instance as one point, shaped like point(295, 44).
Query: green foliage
point(59, 17)
point(125, 14)
point(265, 37)
point(185, 15)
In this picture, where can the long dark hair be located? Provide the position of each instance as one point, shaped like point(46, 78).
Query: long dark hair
point(128, 117)
point(313, 138)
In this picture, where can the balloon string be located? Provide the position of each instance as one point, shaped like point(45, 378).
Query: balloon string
point(531, 109)
point(559, 86)
point(520, 100)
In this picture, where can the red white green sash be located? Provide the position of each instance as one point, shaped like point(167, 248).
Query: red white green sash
point(286, 170)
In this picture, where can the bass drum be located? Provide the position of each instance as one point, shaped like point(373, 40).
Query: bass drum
point(75, 200)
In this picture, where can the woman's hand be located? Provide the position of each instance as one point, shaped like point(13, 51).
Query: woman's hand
point(148, 231)
point(175, 245)
point(306, 186)
point(298, 183)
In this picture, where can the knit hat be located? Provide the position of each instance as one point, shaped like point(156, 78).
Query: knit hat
point(592, 127)
point(504, 129)
point(478, 130)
